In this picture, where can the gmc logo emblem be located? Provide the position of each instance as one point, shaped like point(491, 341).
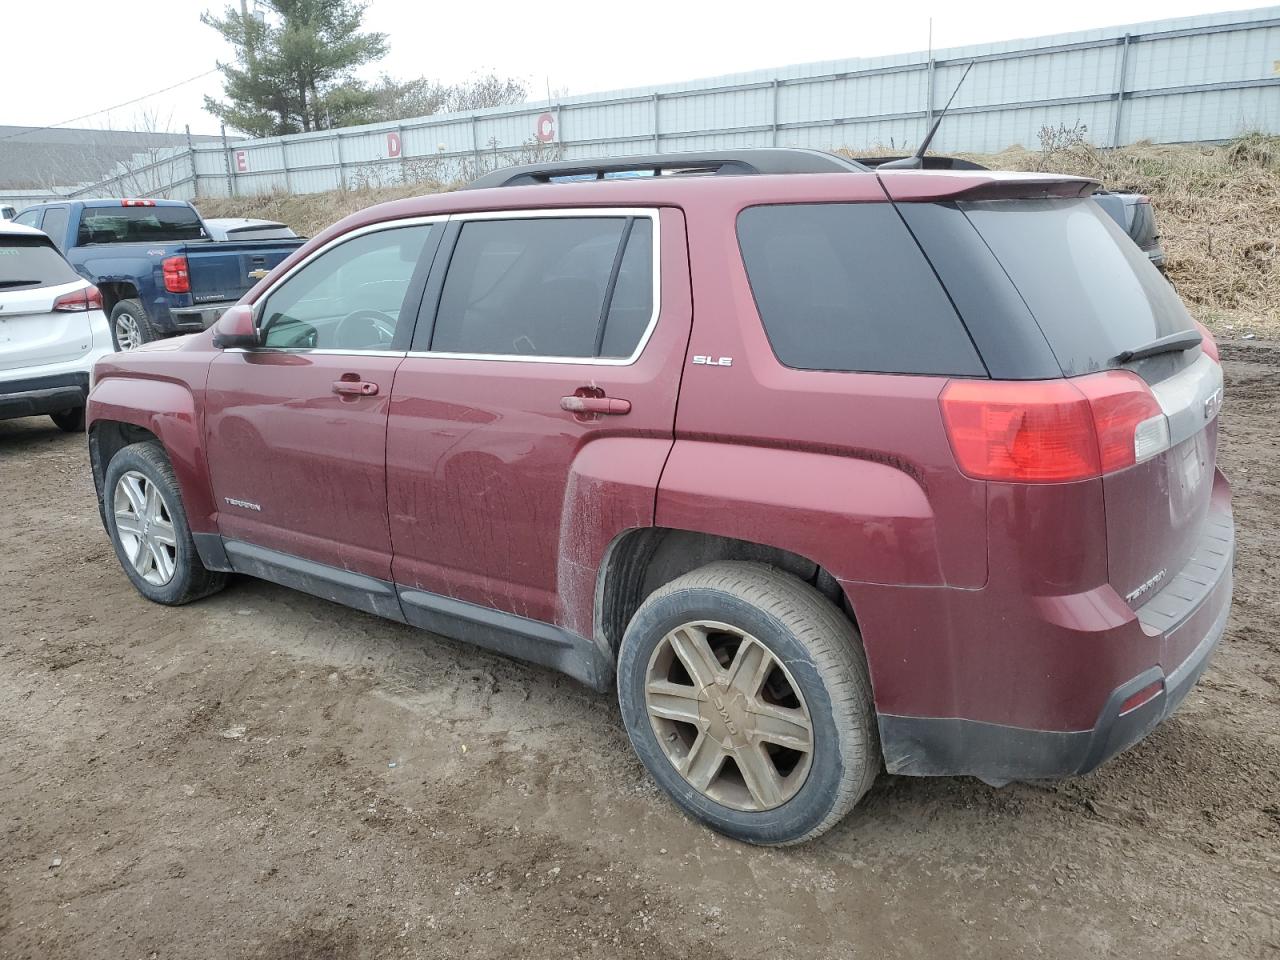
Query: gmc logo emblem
point(1212, 404)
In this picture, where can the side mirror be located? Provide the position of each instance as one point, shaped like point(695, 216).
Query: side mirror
point(236, 328)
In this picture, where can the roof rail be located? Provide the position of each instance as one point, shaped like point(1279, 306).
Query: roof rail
point(758, 160)
point(929, 163)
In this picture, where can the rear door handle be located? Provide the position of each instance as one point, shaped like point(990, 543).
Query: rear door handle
point(354, 387)
point(597, 405)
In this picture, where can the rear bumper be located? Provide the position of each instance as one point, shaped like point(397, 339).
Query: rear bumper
point(1120, 673)
point(927, 746)
point(200, 317)
point(35, 396)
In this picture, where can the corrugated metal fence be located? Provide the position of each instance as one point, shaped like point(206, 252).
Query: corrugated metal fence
point(1199, 78)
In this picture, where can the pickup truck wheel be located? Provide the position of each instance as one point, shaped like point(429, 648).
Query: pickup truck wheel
point(745, 693)
point(143, 510)
point(130, 327)
point(72, 421)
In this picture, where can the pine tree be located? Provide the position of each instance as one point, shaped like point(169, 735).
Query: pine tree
point(294, 68)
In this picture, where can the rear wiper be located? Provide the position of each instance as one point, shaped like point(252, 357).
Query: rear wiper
point(1171, 343)
point(18, 283)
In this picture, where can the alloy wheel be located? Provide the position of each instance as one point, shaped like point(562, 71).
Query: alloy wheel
point(144, 527)
point(729, 716)
point(128, 335)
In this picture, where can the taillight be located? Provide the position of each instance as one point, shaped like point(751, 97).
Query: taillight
point(1052, 431)
point(1207, 343)
point(176, 278)
point(90, 298)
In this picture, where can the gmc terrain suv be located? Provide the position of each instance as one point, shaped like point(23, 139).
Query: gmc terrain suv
point(827, 469)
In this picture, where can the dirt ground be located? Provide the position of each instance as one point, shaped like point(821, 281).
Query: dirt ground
point(266, 775)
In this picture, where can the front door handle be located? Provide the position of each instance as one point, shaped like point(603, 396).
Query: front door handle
point(352, 386)
point(595, 405)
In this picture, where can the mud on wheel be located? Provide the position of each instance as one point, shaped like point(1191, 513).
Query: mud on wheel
point(745, 693)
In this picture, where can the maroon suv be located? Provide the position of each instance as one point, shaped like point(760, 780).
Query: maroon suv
point(828, 469)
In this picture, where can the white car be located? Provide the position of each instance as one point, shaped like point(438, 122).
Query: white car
point(52, 330)
point(246, 228)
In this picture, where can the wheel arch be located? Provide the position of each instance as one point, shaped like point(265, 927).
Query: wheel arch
point(639, 561)
point(124, 411)
point(113, 291)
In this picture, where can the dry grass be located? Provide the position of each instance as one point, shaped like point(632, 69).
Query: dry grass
point(309, 213)
point(1217, 207)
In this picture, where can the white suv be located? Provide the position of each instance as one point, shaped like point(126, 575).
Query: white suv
point(52, 330)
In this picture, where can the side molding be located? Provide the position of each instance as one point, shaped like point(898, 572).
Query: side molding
point(341, 586)
point(506, 633)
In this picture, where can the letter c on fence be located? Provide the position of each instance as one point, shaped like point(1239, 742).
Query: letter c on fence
point(393, 145)
point(546, 128)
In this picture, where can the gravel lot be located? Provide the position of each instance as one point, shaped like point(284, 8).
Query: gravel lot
point(264, 774)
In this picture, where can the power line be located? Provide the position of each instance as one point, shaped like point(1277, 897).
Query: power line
point(145, 96)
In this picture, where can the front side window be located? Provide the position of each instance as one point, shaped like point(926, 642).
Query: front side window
point(348, 298)
point(563, 287)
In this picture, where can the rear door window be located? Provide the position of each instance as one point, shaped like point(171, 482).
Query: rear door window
point(843, 286)
point(30, 262)
point(1092, 291)
point(30, 218)
point(55, 225)
point(557, 287)
point(138, 225)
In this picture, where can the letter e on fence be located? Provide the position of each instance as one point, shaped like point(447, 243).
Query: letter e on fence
point(242, 161)
point(393, 145)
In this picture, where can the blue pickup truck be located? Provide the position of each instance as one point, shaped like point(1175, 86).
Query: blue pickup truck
point(159, 271)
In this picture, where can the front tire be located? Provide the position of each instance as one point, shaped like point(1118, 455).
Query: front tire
point(746, 694)
point(130, 325)
point(148, 527)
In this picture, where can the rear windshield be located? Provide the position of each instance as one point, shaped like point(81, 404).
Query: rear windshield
point(1093, 293)
point(843, 286)
point(138, 225)
point(29, 262)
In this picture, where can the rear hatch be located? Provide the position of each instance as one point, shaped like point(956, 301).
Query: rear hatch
point(33, 275)
point(227, 269)
point(1059, 273)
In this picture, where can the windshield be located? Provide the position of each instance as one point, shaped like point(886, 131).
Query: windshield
point(138, 225)
point(29, 262)
point(1092, 291)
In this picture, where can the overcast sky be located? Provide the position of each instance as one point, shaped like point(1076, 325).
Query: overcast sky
point(63, 58)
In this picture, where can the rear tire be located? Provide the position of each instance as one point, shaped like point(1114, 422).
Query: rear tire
point(147, 523)
point(72, 421)
point(788, 682)
point(130, 325)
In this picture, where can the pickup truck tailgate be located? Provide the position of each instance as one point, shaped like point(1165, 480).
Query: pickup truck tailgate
point(224, 271)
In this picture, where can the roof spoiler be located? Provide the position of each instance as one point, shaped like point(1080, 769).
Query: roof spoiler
point(761, 160)
point(989, 186)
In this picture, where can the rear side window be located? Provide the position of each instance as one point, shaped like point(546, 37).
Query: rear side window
point(1093, 292)
point(843, 286)
point(138, 225)
point(55, 225)
point(30, 262)
point(575, 287)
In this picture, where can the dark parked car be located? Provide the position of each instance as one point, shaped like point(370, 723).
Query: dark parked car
point(828, 470)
